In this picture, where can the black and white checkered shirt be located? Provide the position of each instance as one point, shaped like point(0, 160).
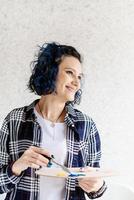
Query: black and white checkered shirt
point(20, 130)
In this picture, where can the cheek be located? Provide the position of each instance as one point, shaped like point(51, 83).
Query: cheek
point(62, 81)
point(60, 85)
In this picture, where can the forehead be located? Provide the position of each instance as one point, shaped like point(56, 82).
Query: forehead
point(72, 63)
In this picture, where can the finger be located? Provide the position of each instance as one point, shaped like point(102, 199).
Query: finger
point(32, 165)
point(86, 187)
point(40, 150)
point(36, 162)
point(89, 169)
point(37, 156)
point(88, 180)
point(84, 183)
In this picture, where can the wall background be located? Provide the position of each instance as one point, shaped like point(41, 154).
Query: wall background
point(103, 32)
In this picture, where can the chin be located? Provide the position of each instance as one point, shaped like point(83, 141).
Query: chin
point(70, 98)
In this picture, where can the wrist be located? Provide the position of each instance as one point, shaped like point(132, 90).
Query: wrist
point(99, 185)
point(99, 193)
point(15, 170)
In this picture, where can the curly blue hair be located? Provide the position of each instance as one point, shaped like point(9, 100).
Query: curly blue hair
point(45, 68)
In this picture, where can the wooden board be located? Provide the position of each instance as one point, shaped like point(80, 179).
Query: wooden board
point(59, 173)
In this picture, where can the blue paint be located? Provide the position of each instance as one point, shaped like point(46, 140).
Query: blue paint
point(74, 174)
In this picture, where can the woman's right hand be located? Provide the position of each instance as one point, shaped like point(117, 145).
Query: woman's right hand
point(32, 157)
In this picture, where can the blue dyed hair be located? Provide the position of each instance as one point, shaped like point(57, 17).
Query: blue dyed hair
point(45, 68)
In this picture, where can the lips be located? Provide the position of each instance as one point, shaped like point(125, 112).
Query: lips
point(71, 89)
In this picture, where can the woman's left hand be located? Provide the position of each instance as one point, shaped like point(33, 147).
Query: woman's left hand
point(90, 184)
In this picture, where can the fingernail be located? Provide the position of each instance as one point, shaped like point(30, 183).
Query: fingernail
point(81, 169)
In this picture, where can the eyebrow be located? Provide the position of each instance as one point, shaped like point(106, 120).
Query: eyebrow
point(74, 70)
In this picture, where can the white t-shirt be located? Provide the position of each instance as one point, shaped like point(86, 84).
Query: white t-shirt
point(53, 140)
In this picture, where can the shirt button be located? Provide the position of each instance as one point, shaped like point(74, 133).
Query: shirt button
point(72, 125)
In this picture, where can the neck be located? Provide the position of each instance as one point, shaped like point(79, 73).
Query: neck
point(50, 108)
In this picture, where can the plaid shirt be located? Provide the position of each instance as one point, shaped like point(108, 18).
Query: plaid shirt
point(20, 130)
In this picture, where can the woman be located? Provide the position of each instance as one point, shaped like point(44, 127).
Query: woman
point(50, 125)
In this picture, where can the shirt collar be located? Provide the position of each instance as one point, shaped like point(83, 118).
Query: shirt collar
point(70, 116)
point(30, 109)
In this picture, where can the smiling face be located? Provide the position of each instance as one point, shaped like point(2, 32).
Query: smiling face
point(68, 78)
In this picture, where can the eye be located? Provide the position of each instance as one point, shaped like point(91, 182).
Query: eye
point(69, 72)
point(80, 78)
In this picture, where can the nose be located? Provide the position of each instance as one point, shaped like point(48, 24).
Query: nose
point(76, 81)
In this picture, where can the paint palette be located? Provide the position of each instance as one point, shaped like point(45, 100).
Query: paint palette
point(59, 173)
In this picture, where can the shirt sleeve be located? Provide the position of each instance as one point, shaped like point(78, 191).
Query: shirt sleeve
point(94, 157)
point(7, 179)
point(94, 146)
